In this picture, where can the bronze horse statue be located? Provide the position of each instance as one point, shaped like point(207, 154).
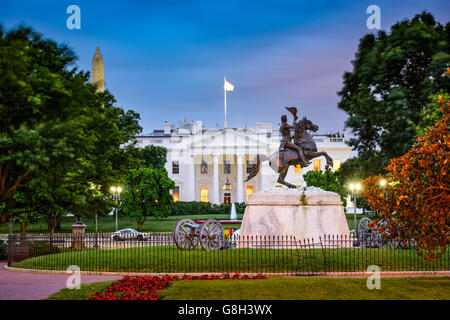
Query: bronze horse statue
point(280, 161)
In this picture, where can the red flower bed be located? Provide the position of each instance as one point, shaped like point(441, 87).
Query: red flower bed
point(146, 288)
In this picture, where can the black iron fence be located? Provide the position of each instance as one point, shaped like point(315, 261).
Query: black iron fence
point(158, 253)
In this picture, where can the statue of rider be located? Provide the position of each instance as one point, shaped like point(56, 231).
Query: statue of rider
point(285, 130)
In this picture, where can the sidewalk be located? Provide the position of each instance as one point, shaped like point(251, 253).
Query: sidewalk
point(34, 286)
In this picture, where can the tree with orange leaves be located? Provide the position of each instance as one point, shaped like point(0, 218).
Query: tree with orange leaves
point(415, 204)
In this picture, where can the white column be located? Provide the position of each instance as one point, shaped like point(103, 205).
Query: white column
point(240, 195)
point(192, 178)
point(216, 187)
point(264, 175)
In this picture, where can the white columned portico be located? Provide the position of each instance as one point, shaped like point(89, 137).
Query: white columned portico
point(192, 178)
point(240, 196)
point(216, 180)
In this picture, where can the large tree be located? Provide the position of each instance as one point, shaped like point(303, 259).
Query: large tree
point(58, 136)
point(393, 78)
point(415, 205)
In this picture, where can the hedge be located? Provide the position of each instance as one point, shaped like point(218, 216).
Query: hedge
point(196, 207)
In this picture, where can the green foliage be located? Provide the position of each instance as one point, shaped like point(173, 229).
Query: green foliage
point(328, 181)
point(192, 207)
point(147, 193)
point(431, 114)
point(154, 156)
point(3, 249)
point(197, 207)
point(394, 76)
point(41, 248)
point(358, 168)
point(58, 136)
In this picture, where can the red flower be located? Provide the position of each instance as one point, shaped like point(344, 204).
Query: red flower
point(146, 288)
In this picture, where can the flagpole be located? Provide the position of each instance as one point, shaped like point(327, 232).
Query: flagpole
point(225, 101)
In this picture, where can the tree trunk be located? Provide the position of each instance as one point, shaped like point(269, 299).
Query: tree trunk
point(58, 224)
point(23, 227)
point(51, 223)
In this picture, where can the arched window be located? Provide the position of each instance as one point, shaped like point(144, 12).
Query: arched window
point(249, 191)
point(176, 194)
point(204, 194)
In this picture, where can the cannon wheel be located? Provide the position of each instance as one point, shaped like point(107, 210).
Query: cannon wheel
point(211, 235)
point(363, 230)
point(185, 236)
point(385, 241)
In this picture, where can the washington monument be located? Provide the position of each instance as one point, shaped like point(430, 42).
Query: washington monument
point(98, 74)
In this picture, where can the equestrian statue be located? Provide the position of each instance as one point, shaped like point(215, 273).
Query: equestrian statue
point(296, 150)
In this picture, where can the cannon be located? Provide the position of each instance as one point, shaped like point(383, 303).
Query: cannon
point(370, 237)
point(210, 235)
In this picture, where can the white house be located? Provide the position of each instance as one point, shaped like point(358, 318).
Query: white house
point(212, 164)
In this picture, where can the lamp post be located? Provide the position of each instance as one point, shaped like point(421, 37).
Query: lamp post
point(116, 197)
point(354, 188)
point(93, 187)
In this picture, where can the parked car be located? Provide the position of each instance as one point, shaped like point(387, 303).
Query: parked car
point(128, 234)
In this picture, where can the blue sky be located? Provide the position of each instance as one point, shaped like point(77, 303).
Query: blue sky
point(166, 59)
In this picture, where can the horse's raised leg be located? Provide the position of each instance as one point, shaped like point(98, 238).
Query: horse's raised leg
point(281, 177)
point(327, 157)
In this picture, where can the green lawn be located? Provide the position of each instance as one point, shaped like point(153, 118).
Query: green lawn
point(108, 224)
point(412, 288)
point(170, 259)
point(309, 289)
point(82, 293)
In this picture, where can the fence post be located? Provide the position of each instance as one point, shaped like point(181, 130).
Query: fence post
point(324, 255)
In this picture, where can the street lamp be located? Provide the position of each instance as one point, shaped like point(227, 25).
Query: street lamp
point(93, 187)
point(116, 197)
point(354, 188)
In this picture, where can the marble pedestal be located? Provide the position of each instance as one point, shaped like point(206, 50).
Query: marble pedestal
point(280, 216)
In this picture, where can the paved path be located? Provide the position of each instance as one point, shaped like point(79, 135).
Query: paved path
point(34, 286)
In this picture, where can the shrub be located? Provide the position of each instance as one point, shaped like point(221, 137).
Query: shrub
point(415, 204)
point(42, 248)
point(3, 249)
point(197, 207)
